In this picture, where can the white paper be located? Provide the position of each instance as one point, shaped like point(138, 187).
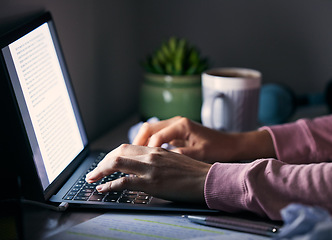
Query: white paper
point(144, 226)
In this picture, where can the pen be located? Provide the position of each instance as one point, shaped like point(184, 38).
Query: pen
point(237, 224)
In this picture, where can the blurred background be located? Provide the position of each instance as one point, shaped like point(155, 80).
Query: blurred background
point(290, 42)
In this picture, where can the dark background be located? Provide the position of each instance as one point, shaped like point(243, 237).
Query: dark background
point(289, 41)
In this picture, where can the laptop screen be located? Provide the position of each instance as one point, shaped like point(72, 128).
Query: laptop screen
point(45, 99)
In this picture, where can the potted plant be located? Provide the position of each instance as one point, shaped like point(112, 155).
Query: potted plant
point(172, 81)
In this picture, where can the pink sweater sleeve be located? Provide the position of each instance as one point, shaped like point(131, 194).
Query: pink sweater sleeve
point(302, 173)
point(305, 141)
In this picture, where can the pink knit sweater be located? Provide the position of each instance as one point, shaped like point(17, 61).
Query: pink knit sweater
point(302, 173)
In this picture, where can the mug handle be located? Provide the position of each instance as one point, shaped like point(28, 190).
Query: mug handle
point(208, 111)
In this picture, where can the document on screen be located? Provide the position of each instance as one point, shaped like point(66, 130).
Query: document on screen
point(47, 99)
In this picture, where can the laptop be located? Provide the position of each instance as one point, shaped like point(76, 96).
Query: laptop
point(44, 128)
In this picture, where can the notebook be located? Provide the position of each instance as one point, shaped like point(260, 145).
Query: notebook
point(50, 138)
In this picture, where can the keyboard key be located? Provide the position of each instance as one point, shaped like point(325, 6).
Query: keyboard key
point(138, 201)
point(131, 193)
point(143, 197)
point(81, 198)
point(143, 194)
point(71, 194)
point(126, 200)
point(69, 197)
point(111, 198)
point(97, 198)
point(115, 193)
point(87, 190)
point(92, 184)
point(83, 194)
point(98, 193)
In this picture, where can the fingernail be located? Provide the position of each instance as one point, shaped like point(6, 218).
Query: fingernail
point(99, 188)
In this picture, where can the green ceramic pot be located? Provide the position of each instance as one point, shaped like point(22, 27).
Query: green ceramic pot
point(166, 96)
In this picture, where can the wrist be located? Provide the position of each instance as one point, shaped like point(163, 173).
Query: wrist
point(253, 145)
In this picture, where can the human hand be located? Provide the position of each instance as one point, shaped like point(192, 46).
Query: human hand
point(188, 138)
point(156, 171)
point(202, 143)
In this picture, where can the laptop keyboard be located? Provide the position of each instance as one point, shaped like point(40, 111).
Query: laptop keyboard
point(83, 191)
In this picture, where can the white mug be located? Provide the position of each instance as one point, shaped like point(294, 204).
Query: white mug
point(230, 99)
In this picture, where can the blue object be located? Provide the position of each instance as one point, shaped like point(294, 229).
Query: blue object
point(305, 223)
point(276, 104)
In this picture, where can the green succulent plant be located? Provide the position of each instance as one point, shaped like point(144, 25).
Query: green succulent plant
point(175, 57)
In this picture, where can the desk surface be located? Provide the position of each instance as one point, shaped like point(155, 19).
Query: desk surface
point(142, 226)
point(40, 223)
